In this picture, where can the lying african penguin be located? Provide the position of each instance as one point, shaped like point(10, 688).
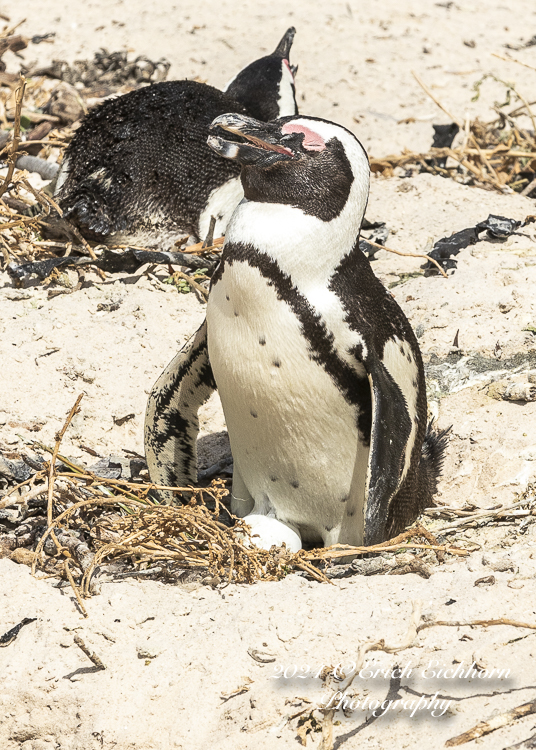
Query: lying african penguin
point(139, 169)
point(318, 369)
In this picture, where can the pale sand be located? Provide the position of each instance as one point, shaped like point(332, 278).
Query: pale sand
point(355, 64)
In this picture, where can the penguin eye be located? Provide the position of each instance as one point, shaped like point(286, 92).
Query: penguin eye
point(310, 141)
point(293, 141)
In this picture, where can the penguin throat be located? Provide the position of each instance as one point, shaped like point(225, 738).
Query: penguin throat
point(289, 68)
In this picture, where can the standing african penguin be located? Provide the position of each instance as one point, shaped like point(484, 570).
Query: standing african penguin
point(139, 169)
point(318, 369)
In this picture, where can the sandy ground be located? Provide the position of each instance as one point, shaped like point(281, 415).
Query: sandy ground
point(174, 655)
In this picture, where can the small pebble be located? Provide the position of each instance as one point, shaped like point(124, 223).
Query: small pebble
point(506, 305)
point(497, 563)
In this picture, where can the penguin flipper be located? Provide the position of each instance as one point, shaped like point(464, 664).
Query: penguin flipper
point(171, 421)
point(390, 434)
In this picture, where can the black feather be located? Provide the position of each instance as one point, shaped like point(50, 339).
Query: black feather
point(432, 458)
point(142, 159)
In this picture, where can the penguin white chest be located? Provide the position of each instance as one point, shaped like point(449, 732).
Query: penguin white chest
point(220, 204)
point(293, 434)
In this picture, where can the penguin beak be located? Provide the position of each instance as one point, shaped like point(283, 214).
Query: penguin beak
point(262, 146)
point(283, 48)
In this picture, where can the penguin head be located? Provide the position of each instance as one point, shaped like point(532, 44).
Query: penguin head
point(305, 162)
point(266, 86)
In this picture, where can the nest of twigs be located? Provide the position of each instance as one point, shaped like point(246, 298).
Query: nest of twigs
point(93, 523)
point(498, 155)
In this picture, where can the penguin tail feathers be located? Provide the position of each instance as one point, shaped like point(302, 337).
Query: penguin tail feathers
point(433, 456)
point(89, 212)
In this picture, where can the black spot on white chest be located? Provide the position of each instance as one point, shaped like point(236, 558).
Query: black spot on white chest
point(255, 338)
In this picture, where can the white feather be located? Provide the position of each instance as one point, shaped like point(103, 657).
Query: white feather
point(405, 373)
point(286, 102)
point(221, 203)
point(62, 176)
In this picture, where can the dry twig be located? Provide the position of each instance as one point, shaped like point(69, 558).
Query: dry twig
point(19, 96)
point(74, 587)
point(90, 655)
point(51, 475)
point(512, 59)
point(192, 283)
point(198, 249)
point(471, 623)
point(485, 727)
point(411, 255)
point(434, 99)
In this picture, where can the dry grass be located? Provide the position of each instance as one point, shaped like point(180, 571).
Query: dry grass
point(498, 155)
point(92, 522)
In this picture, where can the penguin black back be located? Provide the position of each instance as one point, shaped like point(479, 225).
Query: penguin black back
point(151, 168)
point(139, 169)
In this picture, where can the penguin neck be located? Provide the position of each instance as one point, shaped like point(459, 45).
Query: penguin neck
point(306, 248)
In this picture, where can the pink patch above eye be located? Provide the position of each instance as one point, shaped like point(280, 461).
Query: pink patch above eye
point(312, 141)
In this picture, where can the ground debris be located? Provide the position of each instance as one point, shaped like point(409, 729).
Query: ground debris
point(485, 727)
point(368, 567)
point(470, 516)
point(378, 235)
point(388, 564)
point(458, 371)
point(90, 654)
point(107, 68)
point(498, 155)
point(8, 638)
point(496, 227)
point(14, 471)
point(127, 261)
point(512, 391)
